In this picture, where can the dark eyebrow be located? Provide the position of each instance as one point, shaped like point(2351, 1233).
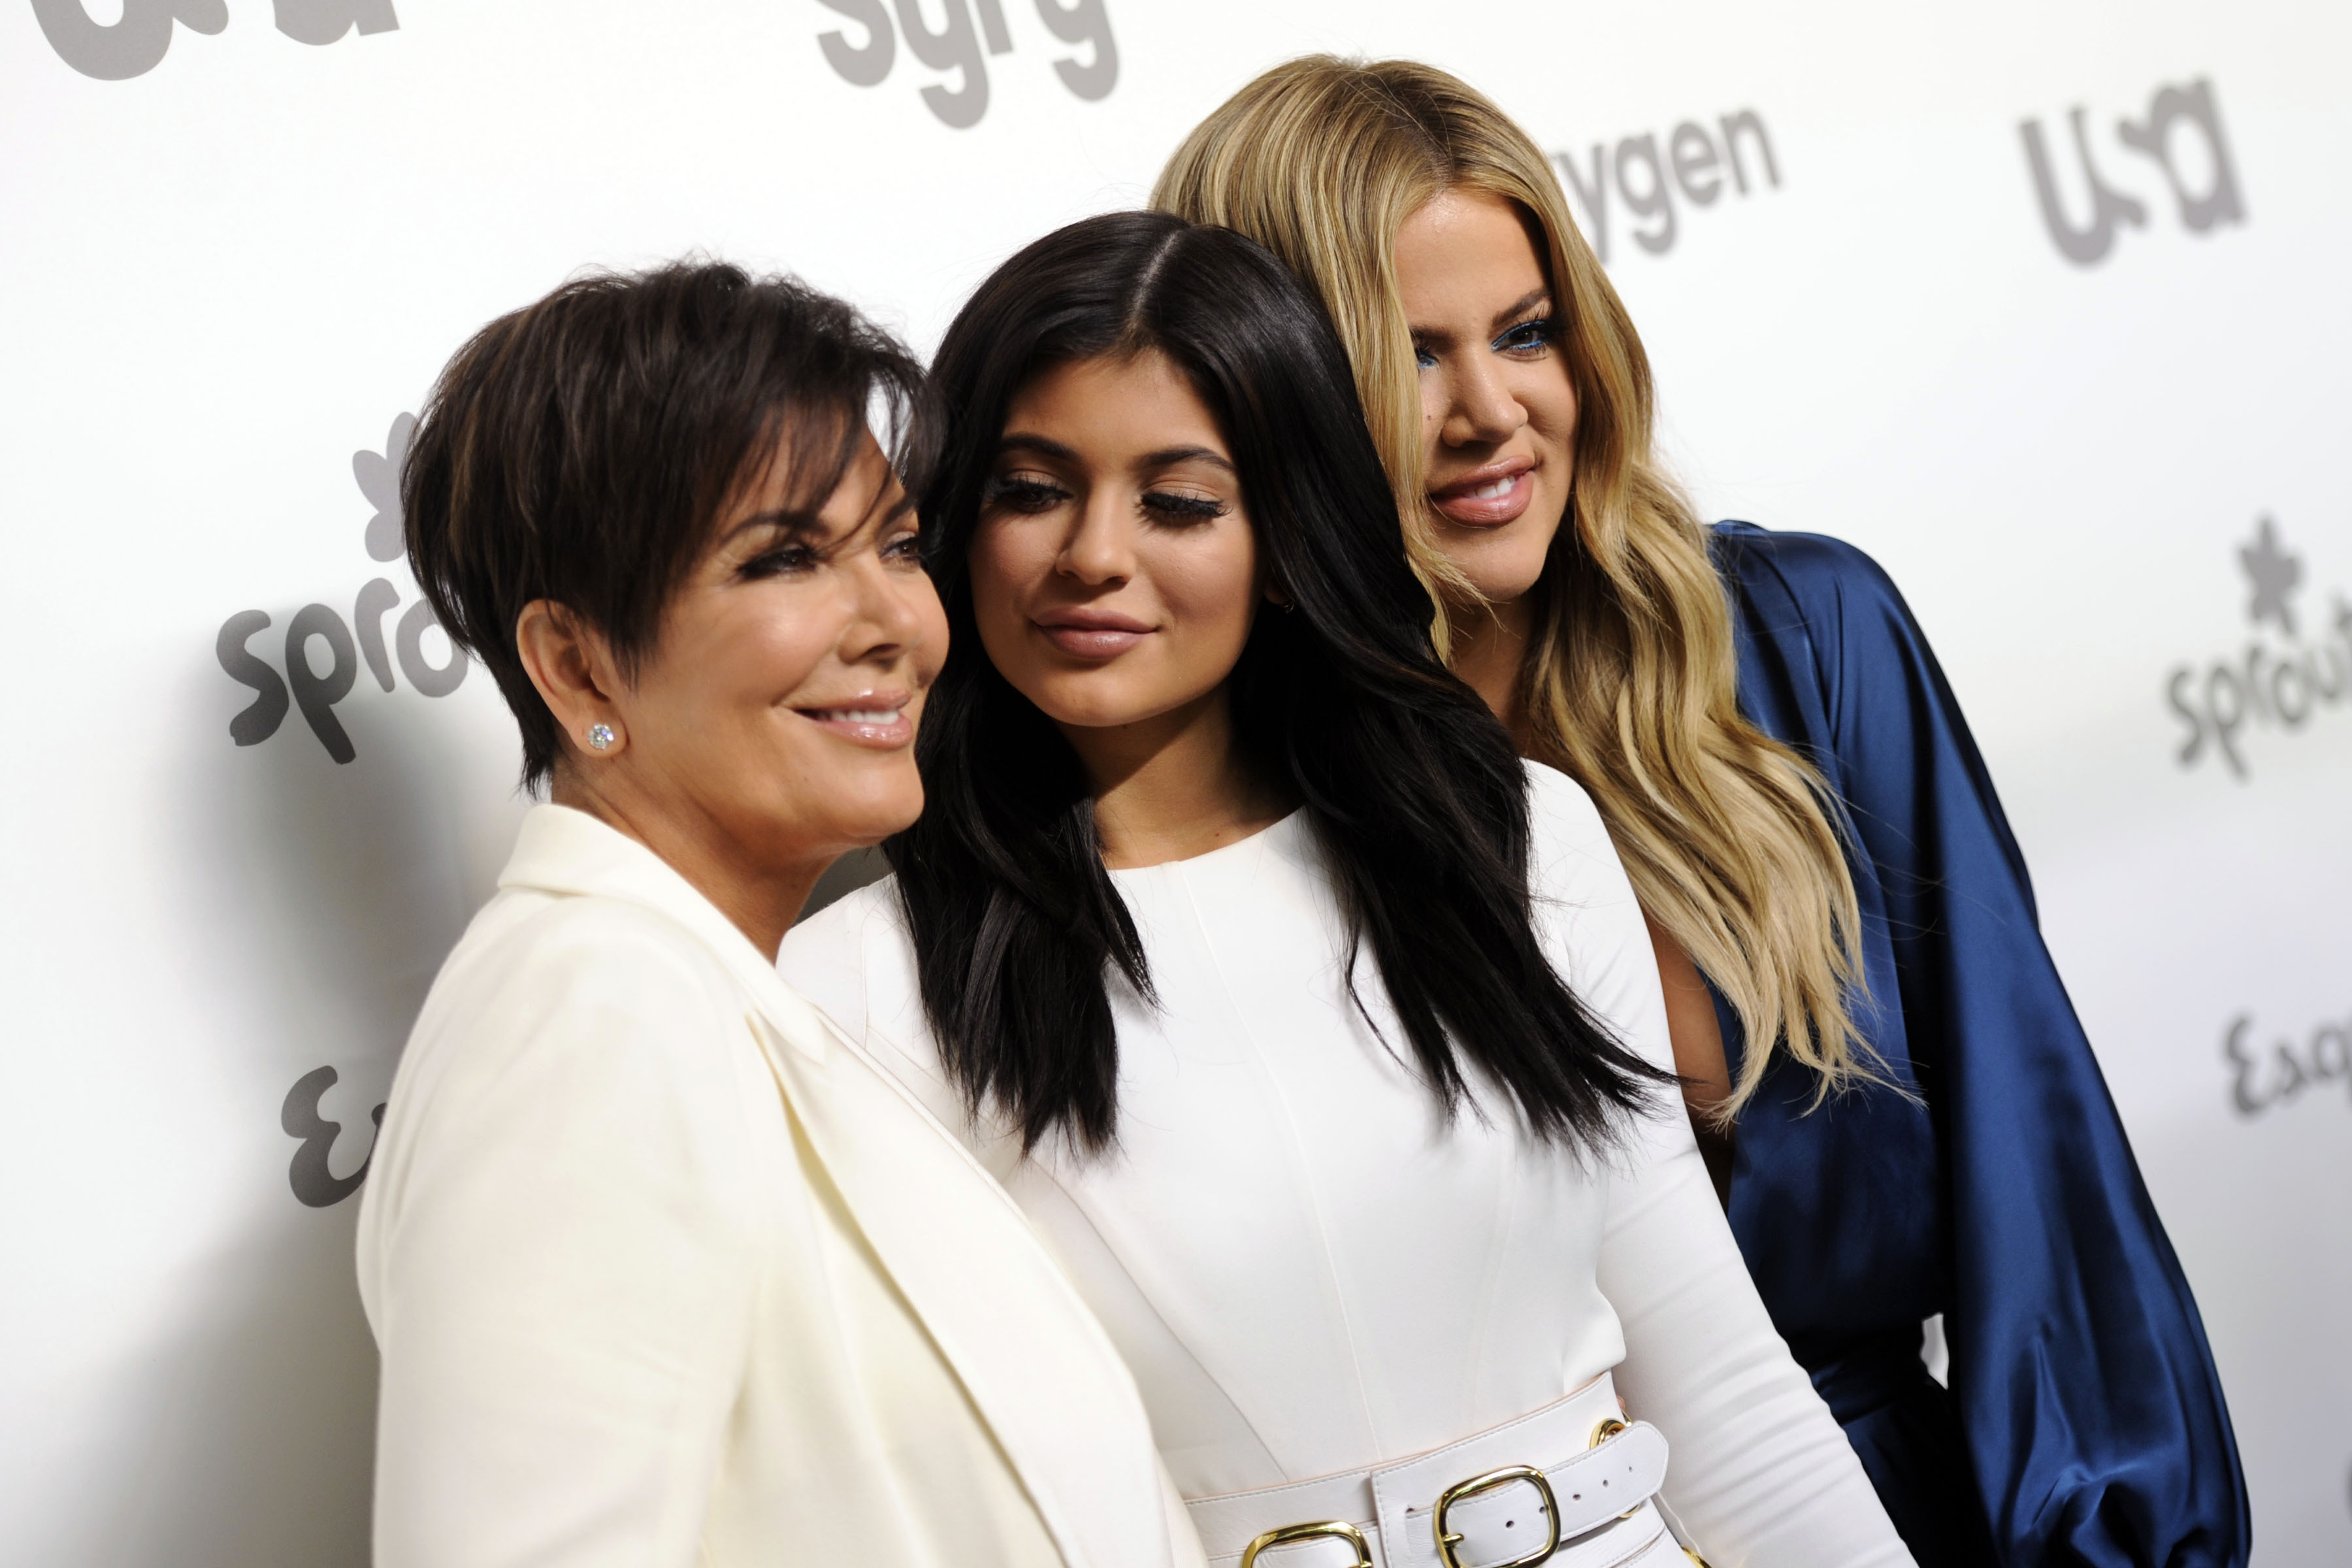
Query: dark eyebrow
point(1167, 455)
point(782, 521)
point(1025, 441)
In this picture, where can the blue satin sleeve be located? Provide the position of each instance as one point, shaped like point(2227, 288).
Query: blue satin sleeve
point(1988, 1178)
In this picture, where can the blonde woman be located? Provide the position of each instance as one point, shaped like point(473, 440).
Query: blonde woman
point(1903, 1113)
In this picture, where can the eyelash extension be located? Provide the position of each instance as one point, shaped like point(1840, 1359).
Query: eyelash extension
point(1192, 509)
point(789, 558)
point(1545, 328)
point(1024, 494)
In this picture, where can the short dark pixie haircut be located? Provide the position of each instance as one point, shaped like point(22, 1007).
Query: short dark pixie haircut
point(581, 450)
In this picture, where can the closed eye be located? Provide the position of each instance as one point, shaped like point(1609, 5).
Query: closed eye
point(1023, 493)
point(784, 560)
point(1171, 506)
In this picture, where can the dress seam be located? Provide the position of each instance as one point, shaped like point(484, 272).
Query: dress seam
point(1322, 1229)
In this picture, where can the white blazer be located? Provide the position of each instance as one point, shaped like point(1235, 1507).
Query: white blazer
point(665, 1272)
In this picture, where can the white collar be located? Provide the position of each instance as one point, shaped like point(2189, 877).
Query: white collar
point(567, 851)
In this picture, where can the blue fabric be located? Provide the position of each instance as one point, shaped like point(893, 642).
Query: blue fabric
point(2084, 1423)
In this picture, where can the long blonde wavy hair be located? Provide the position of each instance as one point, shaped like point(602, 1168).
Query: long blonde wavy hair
point(1631, 687)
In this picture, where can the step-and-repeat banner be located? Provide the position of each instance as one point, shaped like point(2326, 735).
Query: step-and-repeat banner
point(2043, 303)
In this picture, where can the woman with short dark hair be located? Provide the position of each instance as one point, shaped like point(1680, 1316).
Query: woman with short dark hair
point(1319, 1034)
point(663, 1270)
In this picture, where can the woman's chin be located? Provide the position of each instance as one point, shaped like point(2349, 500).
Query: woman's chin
point(861, 806)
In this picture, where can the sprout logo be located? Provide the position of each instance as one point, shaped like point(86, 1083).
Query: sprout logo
point(317, 691)
point(2281, 682)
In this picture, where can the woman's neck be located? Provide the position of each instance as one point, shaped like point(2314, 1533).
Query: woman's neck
point(1490, 655)
point(759, 902)
point(1175, 786)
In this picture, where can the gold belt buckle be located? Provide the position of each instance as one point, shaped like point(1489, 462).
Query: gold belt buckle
point(1328, 1530)
point(1462, 1492)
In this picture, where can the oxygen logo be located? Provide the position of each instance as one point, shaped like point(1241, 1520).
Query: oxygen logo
point(317, 691)
point(955, 45)
point(2281, 681)
point(2263, 1081)
point(1737, 155)
point(2181, 133)
point(135, 43)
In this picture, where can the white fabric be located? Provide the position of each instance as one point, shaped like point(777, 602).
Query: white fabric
point(1310, 1271)
point(665, 1273)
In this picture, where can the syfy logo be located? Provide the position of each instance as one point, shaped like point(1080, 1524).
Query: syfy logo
point(1700, 165)
point(2280, 683)
point(955, 45)
point(317, 691)
point(2181, 135)
point(134, 44)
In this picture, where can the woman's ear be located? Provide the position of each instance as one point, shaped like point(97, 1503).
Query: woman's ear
point(570, 663)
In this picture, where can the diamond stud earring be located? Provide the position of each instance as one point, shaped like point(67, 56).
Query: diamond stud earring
point(600, 736)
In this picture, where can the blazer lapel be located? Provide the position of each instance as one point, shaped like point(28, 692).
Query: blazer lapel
point(1045, 1376)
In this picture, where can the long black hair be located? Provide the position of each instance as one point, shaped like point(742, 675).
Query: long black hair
point(1415, 791)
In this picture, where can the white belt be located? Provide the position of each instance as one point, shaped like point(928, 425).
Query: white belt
point(1571, 1485)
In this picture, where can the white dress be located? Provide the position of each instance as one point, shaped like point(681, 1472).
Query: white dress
point(1309, 1270)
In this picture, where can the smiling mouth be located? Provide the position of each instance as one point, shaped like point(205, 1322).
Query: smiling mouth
point(882, 723)
point(1490, 498)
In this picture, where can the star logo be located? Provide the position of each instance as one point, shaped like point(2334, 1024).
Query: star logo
point(2275, 573)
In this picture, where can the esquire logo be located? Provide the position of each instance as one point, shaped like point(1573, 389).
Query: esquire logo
point(1647, 171)
point(2261, 1081)
point(955, 45)
point(313, 627)
point(135, 42)
point(2181, 134)
point(315, 1183)
point(2280, 682)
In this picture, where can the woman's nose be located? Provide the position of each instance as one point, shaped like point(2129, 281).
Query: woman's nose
point(890, 615)
point(1482, 410)
point(1100, 547)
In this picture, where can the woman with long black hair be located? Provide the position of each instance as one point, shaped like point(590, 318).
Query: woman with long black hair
point(1319, 1034)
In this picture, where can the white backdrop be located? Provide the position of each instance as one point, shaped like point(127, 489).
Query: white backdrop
point(2104, 459)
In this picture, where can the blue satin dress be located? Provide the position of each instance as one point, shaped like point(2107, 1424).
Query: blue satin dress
point(2084, 1423)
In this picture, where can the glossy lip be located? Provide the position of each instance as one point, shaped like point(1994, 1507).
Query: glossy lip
point(853, 720)
point(1091, 634)
point(1455, 503)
